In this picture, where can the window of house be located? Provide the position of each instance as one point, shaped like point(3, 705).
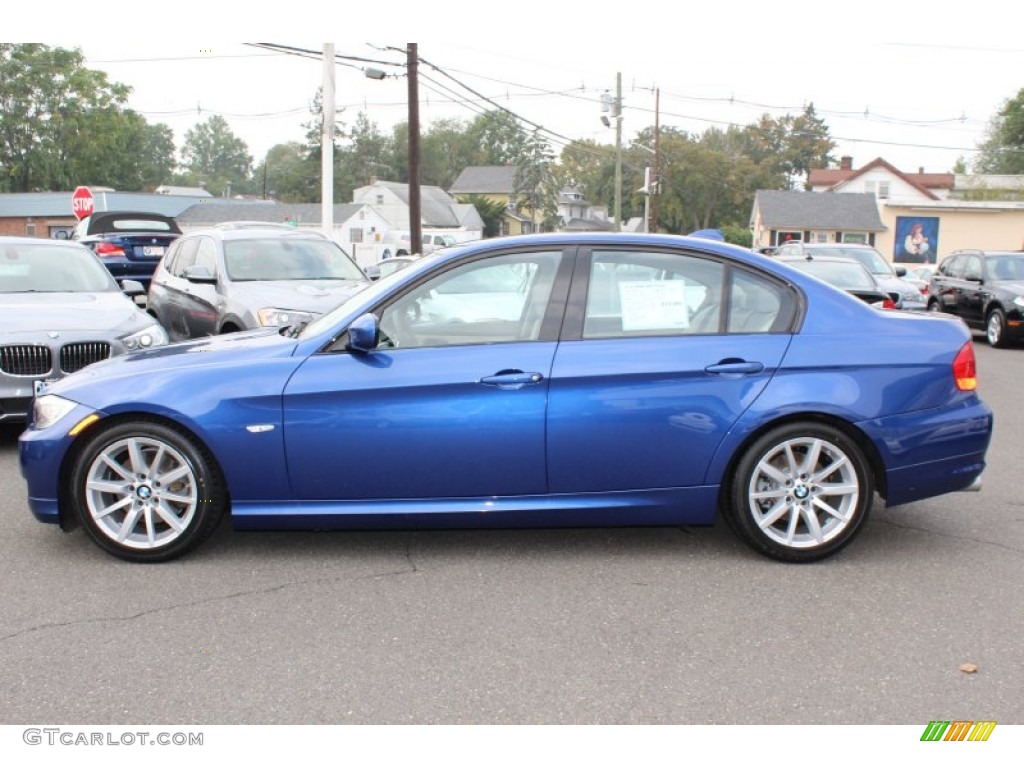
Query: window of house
point(380, 199)
point(819, 237)
point(355, 235)
point(883, 190)
point(30, 229)
point(855, 237)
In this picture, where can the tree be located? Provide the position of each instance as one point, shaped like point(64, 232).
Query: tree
point(536, 181)
point(214, 156)
point(50, 105)
point(491, 211)
point(1002, 151)
point(790, 145)
point(288, 174)
point(497, 138)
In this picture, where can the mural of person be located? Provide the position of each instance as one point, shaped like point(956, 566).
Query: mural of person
point(916, 247)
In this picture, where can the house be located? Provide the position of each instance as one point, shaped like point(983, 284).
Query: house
point(497, 183)
point(881, 179)
point(779, 216)
point(440, 213)
point(580, 215)
point(949, 211)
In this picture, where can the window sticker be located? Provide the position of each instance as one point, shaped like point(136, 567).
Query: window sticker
point(654, 305)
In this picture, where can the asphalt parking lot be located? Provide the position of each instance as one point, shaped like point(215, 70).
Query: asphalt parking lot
point(625, 626)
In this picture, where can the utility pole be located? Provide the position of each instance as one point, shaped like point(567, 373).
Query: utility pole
point(327, 145)
point(415, 214)
point(618, 151)
point(657, 161)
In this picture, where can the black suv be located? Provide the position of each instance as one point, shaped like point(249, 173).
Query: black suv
point(985, 289)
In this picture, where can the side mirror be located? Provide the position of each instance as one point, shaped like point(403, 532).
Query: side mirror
point(364, 333)
point(901, 271)
point(199, 273)
point(132, 287)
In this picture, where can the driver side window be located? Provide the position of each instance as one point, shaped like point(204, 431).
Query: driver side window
point(489, 301)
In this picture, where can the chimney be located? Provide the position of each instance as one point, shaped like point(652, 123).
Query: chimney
point(846, 163)
point(373, 180)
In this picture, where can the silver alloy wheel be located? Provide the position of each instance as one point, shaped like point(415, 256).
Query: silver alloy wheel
point(803, 492)
point(994, 328)
point(141, 492)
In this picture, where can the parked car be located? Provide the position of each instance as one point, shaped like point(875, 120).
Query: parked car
point(60, 310)
point(234, 278)
point(920, 277)
point(889, 276)
point(620, 380)
point(985, 289)
point(394, 264)
point(129, 243)
point(847, 275)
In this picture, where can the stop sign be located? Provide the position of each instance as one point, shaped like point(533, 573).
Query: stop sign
point(81, 202)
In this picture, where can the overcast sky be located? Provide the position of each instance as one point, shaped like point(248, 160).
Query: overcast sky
point(916, 86)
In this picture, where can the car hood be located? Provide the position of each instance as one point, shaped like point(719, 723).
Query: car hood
point(105, 311)
point(317, 296)
point(154, 375)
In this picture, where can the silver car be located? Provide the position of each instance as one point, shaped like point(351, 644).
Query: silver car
point(235, 278)
point(60, 310)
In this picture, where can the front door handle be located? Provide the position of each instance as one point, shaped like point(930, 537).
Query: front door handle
point(512, 379)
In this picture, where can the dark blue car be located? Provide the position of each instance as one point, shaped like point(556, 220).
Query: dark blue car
point(129, 243)
point(545, 380)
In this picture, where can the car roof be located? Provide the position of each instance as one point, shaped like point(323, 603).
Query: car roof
point(257, 233)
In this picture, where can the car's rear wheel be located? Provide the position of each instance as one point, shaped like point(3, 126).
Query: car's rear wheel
point(146, 492)
point(800, 492)
point(995, 328)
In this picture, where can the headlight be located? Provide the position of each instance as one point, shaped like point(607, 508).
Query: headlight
point(153, 336)
point(274, 316)
point(1019, 301)
point(49, 409)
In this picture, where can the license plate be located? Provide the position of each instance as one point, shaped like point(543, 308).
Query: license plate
point(152, 250)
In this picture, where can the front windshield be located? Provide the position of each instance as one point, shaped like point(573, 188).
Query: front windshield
point(51, 268)
point(277, 258)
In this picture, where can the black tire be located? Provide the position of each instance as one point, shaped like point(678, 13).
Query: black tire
point(146, 492)
point(995, 328)
point(778, 501)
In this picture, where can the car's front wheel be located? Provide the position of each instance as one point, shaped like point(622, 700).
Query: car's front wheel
point(995, 328)
point(800, 492)
point(146, 492)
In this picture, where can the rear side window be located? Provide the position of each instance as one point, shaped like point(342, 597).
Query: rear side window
point(670, 294)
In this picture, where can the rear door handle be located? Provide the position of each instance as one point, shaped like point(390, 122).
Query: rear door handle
point(735, 368)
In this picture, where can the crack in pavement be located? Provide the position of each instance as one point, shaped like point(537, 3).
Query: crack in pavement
point(413, 568)
point(905, 527)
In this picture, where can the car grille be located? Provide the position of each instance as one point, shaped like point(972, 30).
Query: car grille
point(25, 360)
point(37, 360)
point(74, 357)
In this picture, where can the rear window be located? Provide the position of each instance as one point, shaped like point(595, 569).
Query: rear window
point(136, 225)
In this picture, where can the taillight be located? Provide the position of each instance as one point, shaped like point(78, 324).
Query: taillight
point(104, 250)
point(888, 304)
point(965, 370)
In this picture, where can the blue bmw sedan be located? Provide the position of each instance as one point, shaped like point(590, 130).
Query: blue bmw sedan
point(546, 380)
